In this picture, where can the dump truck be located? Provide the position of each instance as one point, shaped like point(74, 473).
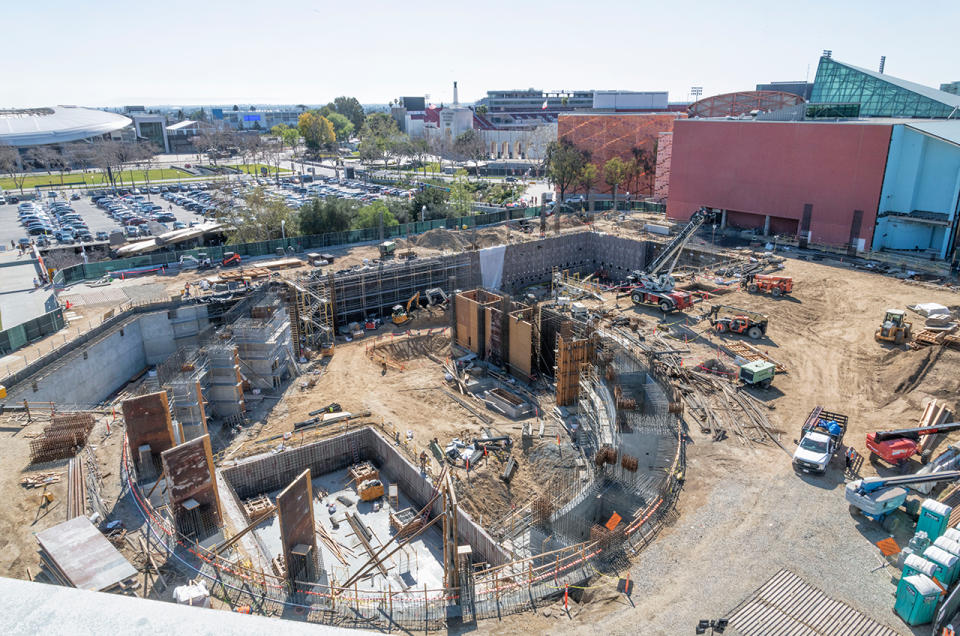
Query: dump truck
point(821, 436)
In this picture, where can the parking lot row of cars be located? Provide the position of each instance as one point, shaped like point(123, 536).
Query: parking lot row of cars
point(54, 220)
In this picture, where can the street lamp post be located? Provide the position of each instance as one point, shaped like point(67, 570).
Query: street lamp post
point(283, 232)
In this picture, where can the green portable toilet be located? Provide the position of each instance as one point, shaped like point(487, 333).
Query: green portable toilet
point(934, 517)
point(953, 534)
point(946, 563)
point(917, 600)
point(916, 564)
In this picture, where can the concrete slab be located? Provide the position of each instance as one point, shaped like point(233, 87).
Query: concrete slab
point(418, 564)
point(19, 300)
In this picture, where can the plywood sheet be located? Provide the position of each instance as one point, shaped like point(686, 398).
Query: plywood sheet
point(84, 556)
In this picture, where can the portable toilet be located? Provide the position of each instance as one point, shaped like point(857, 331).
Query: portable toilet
point(916, 564)
point(917, 600)
point(953, 534)
point(950, 545)
point(946, 564)
point(934, 517)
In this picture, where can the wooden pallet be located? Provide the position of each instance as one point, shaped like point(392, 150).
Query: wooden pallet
point(928, 337)
point(751, 353)
point(952, 341)
point(249, 272)
point(257, 506)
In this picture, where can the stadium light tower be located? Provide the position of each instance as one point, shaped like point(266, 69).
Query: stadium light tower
point(696, 91)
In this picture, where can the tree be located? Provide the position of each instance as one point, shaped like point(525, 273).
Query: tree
point(460, 194)
point(469, 146)
point(41, 157)
point(319, 216)
point(564, 163)
point(642, 166)
point(537, 141)
point(419, 151)
point(615, 172)
point(291, 137)
point(482, 110)
point(10, 164)
point(350, 108)
point(376, 137)
point(342, 126)
point(265, 218)
point(317, 131)
point(235, 108)
point(429, 203)
point(369, 216)
point(588, 179)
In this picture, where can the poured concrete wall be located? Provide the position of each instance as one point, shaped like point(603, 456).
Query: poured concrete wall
point(585, 252)
point(90, 374)
point(267, 473)
point(189, 470)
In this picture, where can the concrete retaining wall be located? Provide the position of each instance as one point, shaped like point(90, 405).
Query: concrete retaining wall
point(91, 373)
point(267, 473)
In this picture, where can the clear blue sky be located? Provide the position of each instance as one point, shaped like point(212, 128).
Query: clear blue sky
point(111, 53)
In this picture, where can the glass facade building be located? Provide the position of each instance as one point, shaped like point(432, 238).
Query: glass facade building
point(880, 95)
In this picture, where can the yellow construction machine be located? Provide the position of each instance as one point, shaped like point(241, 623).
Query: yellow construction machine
point(401, 315)
point(895, 327)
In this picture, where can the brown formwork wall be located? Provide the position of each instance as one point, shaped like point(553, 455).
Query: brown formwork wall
point(468, 329)
point(570, 354)
point(148, 421)
point(295, 512)
point(189, 469)
point(521, 347)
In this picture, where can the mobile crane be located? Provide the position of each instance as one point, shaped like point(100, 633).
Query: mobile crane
point(655, 284)
point(876, 497)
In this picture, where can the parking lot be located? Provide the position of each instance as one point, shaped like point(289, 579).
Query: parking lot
point(95, 220)
point(91, 217)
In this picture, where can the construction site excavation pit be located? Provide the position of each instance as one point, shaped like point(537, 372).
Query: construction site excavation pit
point(340, 514)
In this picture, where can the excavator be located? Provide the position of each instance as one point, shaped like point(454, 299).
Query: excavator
point(727, 319)
point(876, 497)
point(655, 284)
point(402, 315)
point(896, 447)
point(895, 327)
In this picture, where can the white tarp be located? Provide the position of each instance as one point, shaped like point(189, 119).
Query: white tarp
point(929, 309)
point(491, 266)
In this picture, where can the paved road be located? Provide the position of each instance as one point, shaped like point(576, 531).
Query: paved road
point(19, 300)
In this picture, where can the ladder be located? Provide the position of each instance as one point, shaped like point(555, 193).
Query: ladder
point(354, 450)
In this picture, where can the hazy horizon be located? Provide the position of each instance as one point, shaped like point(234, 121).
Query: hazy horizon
point(301, 52)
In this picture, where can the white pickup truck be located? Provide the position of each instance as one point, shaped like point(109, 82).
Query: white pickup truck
point(820, 439)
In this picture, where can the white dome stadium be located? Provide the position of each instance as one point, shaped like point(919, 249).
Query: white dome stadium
point(60, 124)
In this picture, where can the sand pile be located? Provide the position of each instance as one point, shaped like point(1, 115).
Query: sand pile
point(439, 239)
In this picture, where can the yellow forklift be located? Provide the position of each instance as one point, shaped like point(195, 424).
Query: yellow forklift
point(895, 328)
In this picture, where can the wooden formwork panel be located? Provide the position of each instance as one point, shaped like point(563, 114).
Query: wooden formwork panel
point(521, 347)
point(571, 353)
point(295, 512)
point(189, 469)
point(148, 421)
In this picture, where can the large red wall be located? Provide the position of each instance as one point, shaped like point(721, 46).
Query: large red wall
point(607, 135)
point(775, 168)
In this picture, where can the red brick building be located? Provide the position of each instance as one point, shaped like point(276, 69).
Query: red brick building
point(816, 180)
point(606, 135)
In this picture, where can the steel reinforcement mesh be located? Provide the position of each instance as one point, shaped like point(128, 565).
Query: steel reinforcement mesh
point(588, 555)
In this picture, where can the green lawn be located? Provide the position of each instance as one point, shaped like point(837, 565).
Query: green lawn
point(254, 168)
point(97, 178)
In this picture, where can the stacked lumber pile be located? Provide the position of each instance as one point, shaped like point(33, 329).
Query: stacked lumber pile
point(62, 438)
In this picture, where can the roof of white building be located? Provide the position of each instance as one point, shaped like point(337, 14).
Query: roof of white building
point(59, 124)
